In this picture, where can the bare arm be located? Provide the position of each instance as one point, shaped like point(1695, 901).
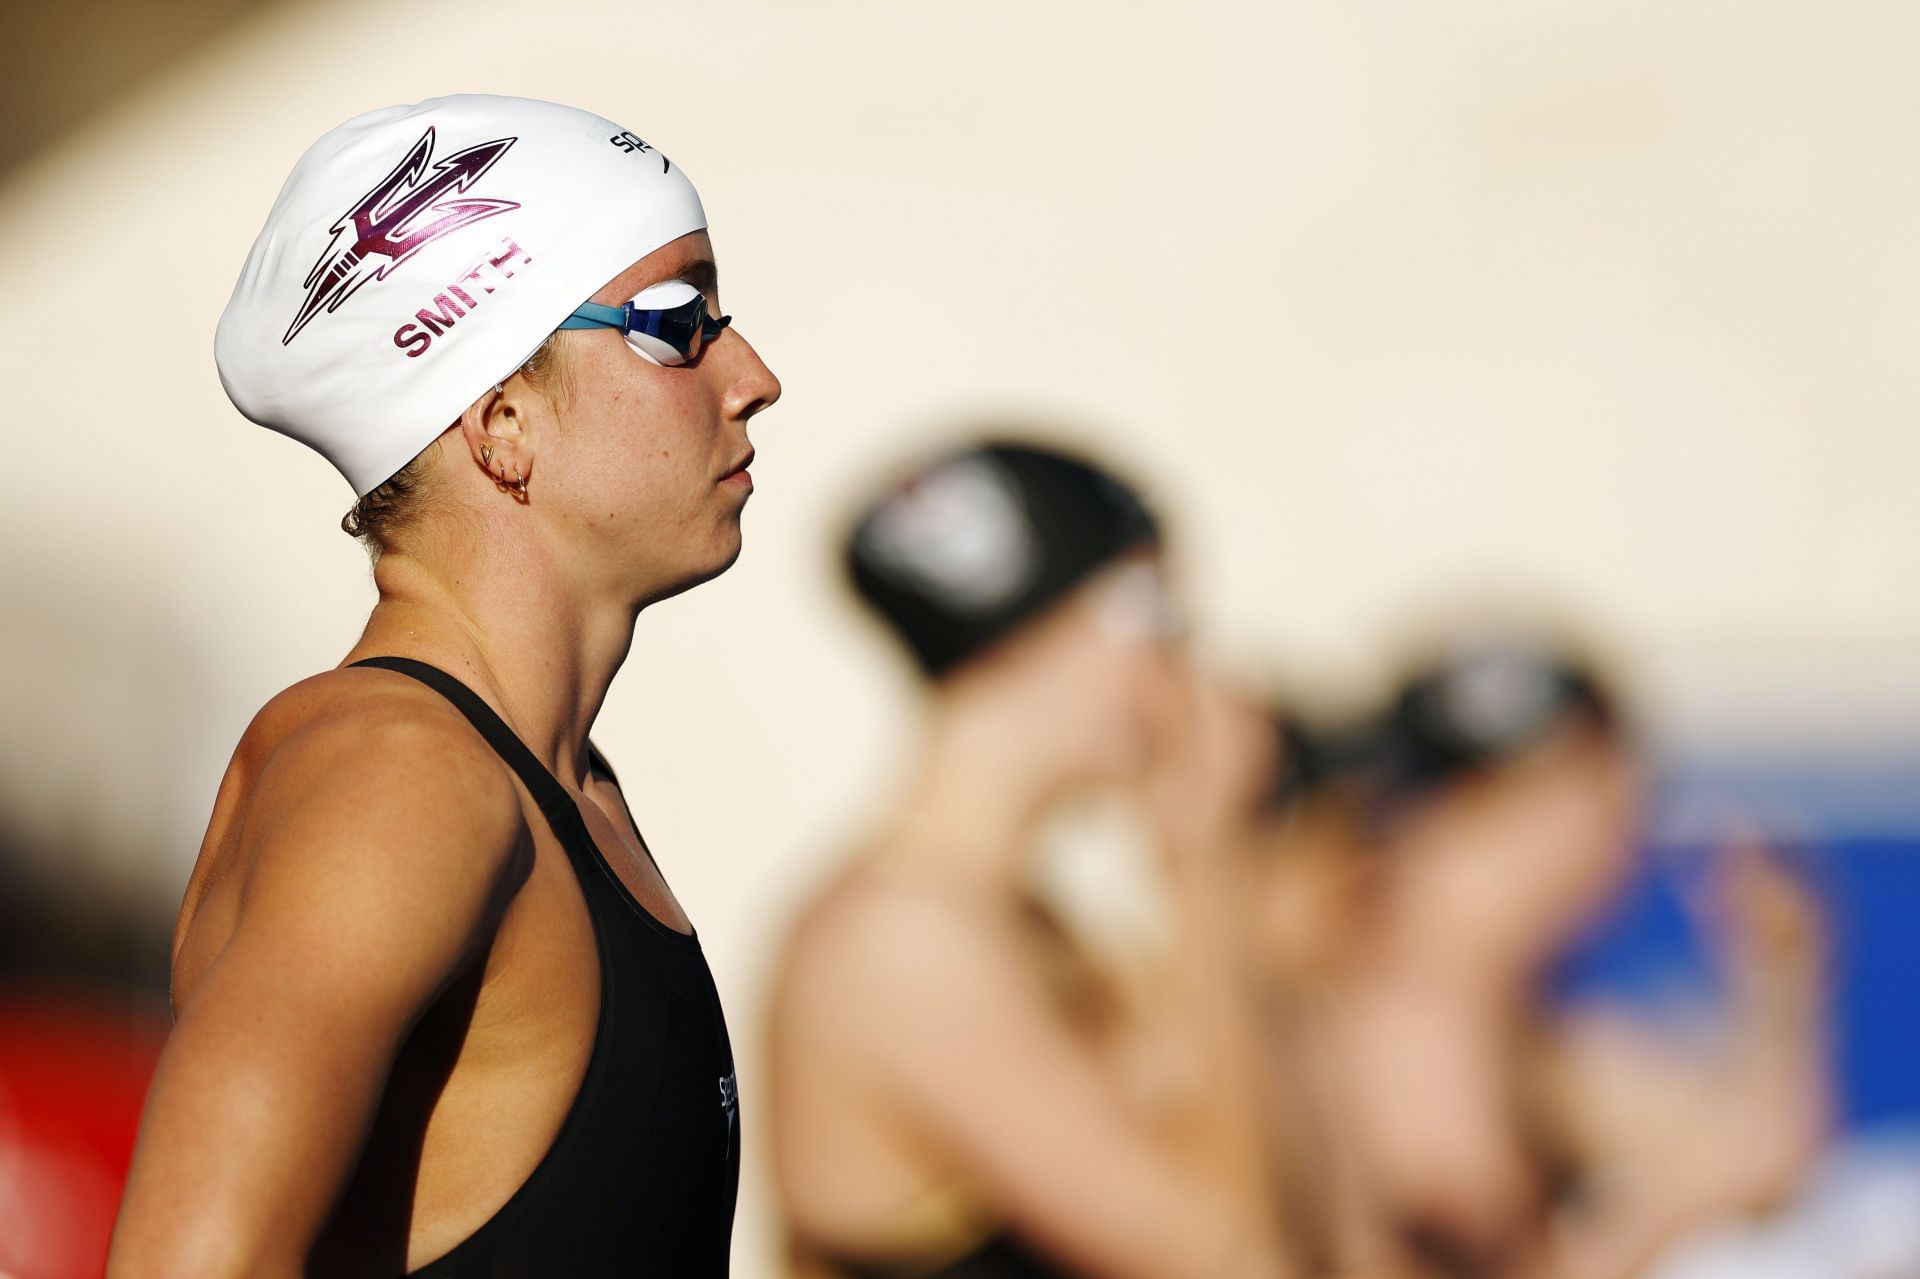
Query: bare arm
point(376, 853)
point(1684, 1137)
point(966, 1051)
point(923, 1004)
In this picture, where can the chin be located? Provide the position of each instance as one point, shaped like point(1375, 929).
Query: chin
point(731, 543)
point(720, 561)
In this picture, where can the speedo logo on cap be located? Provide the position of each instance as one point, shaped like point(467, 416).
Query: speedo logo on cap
point(406, 211)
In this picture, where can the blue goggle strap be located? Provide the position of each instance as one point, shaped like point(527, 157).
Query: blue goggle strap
point(592, 315)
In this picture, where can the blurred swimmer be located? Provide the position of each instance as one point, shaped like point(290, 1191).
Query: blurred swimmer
point(956, 1091)
point(1465, 1127)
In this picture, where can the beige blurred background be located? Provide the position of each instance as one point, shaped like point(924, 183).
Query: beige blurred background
point(1601, 305)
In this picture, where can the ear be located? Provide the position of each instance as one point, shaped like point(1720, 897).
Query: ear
point(498, 435)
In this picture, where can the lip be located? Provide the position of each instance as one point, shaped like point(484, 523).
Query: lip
point(739, 471)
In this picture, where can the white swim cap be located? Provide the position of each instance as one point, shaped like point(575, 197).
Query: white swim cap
point(419, 254)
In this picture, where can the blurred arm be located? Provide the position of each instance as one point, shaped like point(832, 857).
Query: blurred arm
point(1216, 758)
point(376, 855)
point(1684, 1138)
point(978, 1065)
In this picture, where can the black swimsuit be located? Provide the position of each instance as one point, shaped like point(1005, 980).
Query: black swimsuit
point(1001, 1257)
point(641, 1178)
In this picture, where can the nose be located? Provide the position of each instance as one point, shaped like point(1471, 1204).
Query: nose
point(752, 386)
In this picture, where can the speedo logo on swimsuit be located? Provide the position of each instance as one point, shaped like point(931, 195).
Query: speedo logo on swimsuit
point(406, 211)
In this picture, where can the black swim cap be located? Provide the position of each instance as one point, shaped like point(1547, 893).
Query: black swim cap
point(1317, 755)
point(972, 546)
point(1481, 704)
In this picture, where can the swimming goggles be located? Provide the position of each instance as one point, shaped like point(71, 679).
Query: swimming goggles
point(668, 322)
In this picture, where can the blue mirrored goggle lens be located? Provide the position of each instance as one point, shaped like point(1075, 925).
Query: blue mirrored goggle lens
point(685, 328)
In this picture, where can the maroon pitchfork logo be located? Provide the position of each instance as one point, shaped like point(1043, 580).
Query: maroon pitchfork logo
point(382, 222)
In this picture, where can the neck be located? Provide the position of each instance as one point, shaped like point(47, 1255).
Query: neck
point(976, 797)
point(529, 638)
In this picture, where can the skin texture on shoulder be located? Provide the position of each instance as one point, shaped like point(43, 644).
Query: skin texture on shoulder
point(371, 840)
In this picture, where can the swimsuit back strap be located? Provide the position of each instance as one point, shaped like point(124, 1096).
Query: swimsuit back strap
point(546, 790)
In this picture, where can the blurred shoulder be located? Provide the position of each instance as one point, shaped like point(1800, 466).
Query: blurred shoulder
point(885, 943)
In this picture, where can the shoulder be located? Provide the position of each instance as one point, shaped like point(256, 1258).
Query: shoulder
point(870, 952)
point(371, 735)
point(374, 737)
point(365, 801)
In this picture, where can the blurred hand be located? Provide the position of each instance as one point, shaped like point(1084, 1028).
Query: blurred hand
point(1215, 756)
point(1771, 928)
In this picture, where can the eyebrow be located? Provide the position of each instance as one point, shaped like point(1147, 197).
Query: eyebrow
point(701, 274)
